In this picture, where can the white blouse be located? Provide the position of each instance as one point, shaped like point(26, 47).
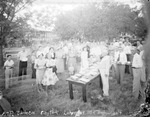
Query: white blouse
point(8, 64)
point(40, 64)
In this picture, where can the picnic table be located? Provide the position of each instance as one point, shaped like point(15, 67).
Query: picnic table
point(83, 79)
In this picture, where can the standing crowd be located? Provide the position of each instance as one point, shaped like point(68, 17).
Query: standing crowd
point(49, 61)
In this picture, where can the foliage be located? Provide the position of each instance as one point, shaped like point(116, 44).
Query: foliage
point(44, 18)
point(11, 26)
point(95, 21)
point(10, 23)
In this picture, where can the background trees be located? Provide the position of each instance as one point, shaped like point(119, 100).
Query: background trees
point(10, 24)
point(91, 21)
point(100, 21)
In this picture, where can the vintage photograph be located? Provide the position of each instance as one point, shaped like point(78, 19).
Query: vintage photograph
point(74, 58)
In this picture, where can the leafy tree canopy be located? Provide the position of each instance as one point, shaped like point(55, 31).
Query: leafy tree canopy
point(100, 21)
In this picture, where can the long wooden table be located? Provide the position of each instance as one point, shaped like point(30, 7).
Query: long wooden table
point(83, 84)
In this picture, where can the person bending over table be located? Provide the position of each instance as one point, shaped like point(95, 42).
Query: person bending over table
point(104, 68)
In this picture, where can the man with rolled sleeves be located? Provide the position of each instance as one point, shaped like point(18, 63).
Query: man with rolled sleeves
point(121, 62)
point(137, 65)
point(23, 59)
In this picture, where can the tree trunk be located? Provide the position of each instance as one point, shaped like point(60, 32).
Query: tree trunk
point(147, 47)
point(1, 56)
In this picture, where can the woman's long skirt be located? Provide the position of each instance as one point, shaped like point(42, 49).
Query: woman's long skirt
point(39, 75)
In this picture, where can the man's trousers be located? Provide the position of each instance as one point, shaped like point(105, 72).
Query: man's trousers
point(138, 89)
point(22, 68)
point(120, 71)
point(8, 75)
point(105, 81)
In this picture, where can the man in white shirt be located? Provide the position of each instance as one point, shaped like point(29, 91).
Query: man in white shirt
point(8, 65)
point(105, 65)
point(23, 58)
point(121, 61)
point(137, 65)
point(127, 50)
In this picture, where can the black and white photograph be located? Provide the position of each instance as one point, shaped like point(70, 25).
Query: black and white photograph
point(74, 58)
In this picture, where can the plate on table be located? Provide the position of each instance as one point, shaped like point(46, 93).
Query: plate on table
point(84, 80)
point(74, 77)
point(78, 75)
point(94, 73)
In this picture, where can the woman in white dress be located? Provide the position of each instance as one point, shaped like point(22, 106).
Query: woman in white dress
point(84, 60)
point(50, 78)
point(40, 66)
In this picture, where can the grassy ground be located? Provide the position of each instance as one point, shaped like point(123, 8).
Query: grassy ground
point(25, 95)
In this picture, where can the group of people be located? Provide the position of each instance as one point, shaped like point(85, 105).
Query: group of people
point(48, 61)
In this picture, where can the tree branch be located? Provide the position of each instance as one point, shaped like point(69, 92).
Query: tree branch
point(10, 6)
point(23, 6)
